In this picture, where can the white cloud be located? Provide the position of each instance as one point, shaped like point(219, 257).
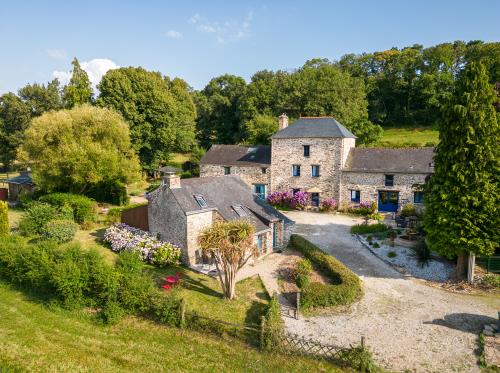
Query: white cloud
point(172, 34)
point(57, 54)
point(95, 69)
point(227, 31)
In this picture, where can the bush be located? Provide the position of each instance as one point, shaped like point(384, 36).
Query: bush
point(60, 231)
point(345, 287)
point(303, 273)
point(4, 218)
point(299, 200)
point(36, 217)
point(110, 191)
point(363, 208)
point(391, 254)
point(421, 253)
point(376, 216)
point(369, 238)
point(409, 210)
point(328, 204)
point(376, 245)
point(84, 208)
point(112, 313)
point(167, 309)
point(368, 228)
point(279, 199)
point(491, 280)
point(358, 358)
point(153, 186)
point(273, 327)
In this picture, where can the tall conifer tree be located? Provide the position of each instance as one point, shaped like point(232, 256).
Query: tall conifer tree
point(79, 90)
point(462, 198)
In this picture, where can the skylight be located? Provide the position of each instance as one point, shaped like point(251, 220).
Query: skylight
point(201, 201)
point(239, 210)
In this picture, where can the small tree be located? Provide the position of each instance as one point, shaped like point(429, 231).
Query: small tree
point(4, 219)
point(230, 245)
point(461, 198)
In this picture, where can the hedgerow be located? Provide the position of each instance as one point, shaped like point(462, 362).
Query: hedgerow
point(369, 228)
point(345, 287)
point(84, 208)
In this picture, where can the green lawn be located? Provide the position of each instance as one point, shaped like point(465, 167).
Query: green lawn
point(408, 136)
point(34, 337)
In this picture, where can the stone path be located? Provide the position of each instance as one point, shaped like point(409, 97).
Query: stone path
point(407, 324)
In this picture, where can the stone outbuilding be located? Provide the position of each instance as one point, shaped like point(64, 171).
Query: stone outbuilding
point(22, 184)
point(179, 210)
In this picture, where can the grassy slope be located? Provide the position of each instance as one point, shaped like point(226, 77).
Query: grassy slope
point(406, 136)
point(33, 337)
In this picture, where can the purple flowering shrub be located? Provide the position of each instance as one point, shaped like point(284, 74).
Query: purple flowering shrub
point(279, 199)
point(328, 204)
point(299, 200)
point(123, 237)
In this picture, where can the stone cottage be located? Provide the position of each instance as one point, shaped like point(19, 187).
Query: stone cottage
point(179, 210)
point(318, 155)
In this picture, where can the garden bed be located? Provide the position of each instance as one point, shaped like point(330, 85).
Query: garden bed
point(405, 262)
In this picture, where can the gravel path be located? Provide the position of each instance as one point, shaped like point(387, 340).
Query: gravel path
point(407, 325)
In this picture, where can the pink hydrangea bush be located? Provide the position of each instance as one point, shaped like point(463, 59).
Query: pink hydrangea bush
point(299, 200)
point(123, 237)
point(329, 204)
point(279, 199)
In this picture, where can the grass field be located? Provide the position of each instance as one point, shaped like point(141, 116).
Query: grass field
point(34, 337)
point(408, 137)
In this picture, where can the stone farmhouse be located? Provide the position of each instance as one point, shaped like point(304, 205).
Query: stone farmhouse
point(318, 155)
point(179, 210)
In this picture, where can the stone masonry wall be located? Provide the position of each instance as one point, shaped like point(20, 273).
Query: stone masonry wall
point(250, 175)
point(196, 223)
point(328, 153)
point(370, 183)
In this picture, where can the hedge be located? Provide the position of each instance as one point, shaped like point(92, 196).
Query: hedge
point(4, 218)
point(345, 287)
point(369, 228)
point(273, 327)
point(84, 208)
point(60, 231)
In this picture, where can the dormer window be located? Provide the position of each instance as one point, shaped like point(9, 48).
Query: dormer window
point(307, 150)
point(239, 210)
point(201, 201)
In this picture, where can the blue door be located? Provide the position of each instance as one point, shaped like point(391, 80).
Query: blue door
point(315, 199)
point(275, 235)
point(260, 190)
point(388, 201)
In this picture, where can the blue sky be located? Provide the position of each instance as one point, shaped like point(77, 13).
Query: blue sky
point(198, 40)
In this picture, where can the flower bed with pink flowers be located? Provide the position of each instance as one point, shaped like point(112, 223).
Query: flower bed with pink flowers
point(123, 237)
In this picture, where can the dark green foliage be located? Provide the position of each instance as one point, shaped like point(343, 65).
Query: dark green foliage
point(167, 309)
point(376, 245)
point(60, 231)
point(84, 208)
point(112, 313)
point(491, 280)
point(422, 253)
point(409, 210)
point(369, 228)
point(35, 218)
point(153, 186)
point(303, 273)
point(369, 238)
point(79, 90)
point(109, 191)
point(4, 218)
point(391, 254)
point(462, 198)
point(345, 286)
point(358, 358)
point(273, 327)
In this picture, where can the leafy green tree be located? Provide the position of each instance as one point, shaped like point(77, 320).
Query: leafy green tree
point(160, 112)
point(4, 219)
point(462, 198)
point(260, 129)
point(15, 117)
point(41, 98)
point(79, 90)
point(219, 111)
point(75, 150)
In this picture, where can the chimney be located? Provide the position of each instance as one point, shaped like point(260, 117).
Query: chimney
point(171, 180)
point(282, 122)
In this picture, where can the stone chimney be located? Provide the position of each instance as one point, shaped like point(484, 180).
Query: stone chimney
point(282, 122)
point(171, 180)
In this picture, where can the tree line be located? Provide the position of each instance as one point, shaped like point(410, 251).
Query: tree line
point(364, 92)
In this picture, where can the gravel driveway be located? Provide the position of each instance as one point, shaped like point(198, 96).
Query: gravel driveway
point(407, 324)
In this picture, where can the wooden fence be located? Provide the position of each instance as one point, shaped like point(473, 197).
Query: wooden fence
point(489, 263)
point(136, 217)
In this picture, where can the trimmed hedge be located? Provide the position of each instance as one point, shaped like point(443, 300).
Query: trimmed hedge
point(369, 228)
point(84, 208)
point(4, 218)
point(273, 327)
point(345, 287)
point(60, 231)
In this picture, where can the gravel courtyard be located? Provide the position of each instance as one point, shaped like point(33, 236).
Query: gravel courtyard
point(407, 324)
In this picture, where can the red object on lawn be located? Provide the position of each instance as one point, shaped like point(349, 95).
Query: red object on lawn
point(167, 287)
point(172, 279)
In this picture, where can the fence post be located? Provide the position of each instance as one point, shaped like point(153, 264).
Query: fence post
point(182, 321)
point(362, 341)
point(298, 306)
point(262, 332)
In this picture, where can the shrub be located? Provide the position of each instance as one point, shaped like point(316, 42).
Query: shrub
point(376, 245)
point(345, 287)
point(491, 280)
point(409, 210)
point(391, 254)
point(376, 216)
point(110, 191)
point(4, 218)
point(421, 253)
point(84, 209)
point(112, 313)
point(299, 200)
point(167, 309)
point(369, 238)
point(358, 358)
point(368, 228)
point(273, 327)
point(279, 199)
point(328, 204)
point(60, 231)
point(153, 186)
point(122, 237)
point(363, 208)
point(36, 217)
point(303, 273)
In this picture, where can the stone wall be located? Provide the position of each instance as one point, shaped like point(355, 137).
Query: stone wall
point(166, 218)
point(370, 183)
point(330, 154)
point(250, 175)
point(196, 223)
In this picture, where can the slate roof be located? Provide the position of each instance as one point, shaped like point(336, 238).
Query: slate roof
point(222, 193)
point(23, 179)
point(403, 160)
point(322, 127)
point(238, 155)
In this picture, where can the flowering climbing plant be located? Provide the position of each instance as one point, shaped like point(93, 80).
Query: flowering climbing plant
point(123, 237)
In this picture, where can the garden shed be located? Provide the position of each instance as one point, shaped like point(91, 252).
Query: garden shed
point(20, 185)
